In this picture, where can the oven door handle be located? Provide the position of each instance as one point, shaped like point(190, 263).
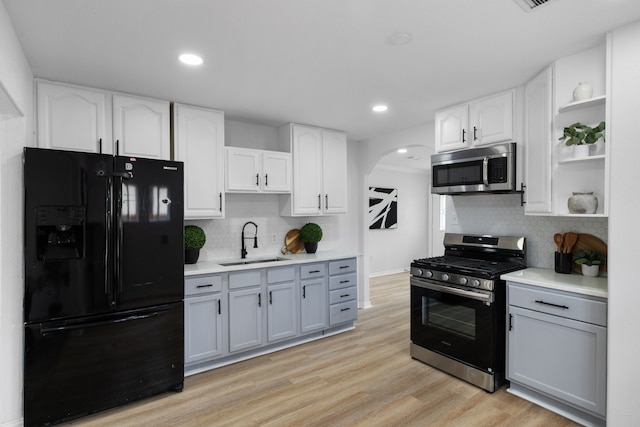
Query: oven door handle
point(455, 291)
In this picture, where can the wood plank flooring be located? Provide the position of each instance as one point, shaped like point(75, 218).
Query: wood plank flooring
point(364, 377)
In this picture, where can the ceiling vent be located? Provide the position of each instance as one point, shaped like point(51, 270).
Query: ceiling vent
point(529, 5)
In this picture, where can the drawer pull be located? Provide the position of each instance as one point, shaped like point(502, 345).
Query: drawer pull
point(210, 285)
point(314, 271)
point(345, 295)
point(343, 266)
point(552, 304)
point(345, 281)
point(345, 309)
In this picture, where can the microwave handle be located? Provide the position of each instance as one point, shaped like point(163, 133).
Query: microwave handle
point(485, 171)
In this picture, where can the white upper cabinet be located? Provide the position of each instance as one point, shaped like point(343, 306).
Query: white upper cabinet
point(83, 119)
point(198, 141)
point(319, 159)
point(538, 109)
point(141, 127)
point(257, 171)
point(73, 118)
point(484, 121)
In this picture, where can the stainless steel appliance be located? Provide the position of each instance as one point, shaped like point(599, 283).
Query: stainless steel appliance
point(104, 282)
point(458, 306)
point(489, 169)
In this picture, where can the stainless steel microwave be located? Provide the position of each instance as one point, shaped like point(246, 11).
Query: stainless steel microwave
point(489, 169)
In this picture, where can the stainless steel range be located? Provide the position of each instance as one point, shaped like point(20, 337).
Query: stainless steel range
point(458, 306)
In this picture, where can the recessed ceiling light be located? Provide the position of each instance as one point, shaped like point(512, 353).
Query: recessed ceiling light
point(380, 108)
point(402, 150)
point(190, 59)
point(399, 39)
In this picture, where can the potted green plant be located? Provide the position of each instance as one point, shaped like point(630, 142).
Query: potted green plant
point(581, 135)
point(311, 234)
point(194, 240)
point(589, 261)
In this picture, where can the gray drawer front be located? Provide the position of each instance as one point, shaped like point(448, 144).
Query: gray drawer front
point(344, 312)
point(202, 285)
point(342, 295)
point(308, 271)
point(281, 274)
point(343, 266)
point(243, 279)
point(342, 281)
point(559, 304)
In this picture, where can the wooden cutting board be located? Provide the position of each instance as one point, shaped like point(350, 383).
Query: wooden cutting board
point(592, 243)
point(292, 242)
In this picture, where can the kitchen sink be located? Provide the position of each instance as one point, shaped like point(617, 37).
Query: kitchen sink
point(251, 261)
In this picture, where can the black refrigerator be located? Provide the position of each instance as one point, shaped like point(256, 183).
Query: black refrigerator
point(104, 282)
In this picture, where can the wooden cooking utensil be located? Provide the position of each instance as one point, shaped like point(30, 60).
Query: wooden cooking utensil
point(559, 239)
point(570, 240)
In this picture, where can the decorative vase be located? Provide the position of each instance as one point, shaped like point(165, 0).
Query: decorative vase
point(191, 256)
point(311, 247)
point(580, 151)
point(583, 91)
point(590, 270)
point(583, 203)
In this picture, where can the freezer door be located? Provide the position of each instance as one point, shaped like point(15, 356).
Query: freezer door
point(77, 367)
point(66, 222)
point(148, 231)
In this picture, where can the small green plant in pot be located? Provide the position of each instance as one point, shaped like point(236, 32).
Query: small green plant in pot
point(589, 261)
point(194, 240)
point(311, 234)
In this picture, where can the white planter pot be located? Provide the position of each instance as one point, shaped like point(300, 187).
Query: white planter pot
point(590, 270)
point(580, 151)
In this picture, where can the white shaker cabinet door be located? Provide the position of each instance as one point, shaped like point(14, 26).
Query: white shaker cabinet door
point(334, 162)
point(141, 127)
point(276, 172)
point(307, 170)
point(452, 128)
point(203, 328)
point(491, 119)
point(243, 170)
point(199, 143)
point(73, 118)
point(245, 319)
point(314, 305)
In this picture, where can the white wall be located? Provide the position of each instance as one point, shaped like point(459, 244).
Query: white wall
point(392, 250)
point(623, 353)
point(16, 83)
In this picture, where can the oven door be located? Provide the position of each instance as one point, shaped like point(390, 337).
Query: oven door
point(455, 322)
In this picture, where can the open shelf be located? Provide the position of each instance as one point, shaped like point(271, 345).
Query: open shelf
point(587, 103)
point(582, 159)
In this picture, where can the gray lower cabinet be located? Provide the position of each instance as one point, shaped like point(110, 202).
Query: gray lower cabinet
point(282, 306)
point(313, 297)
point(343, 305)
point(202, 318)
point(557, 344)
point(245, 310)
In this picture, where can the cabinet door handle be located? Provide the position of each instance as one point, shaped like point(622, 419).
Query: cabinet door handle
point(117, 147)
point(259, 300)
point(464, 131)
point(510, 321)
point(266, 179)
point(326, 201)
point(219, 308)
point(304, 292)
point(100, 145)
point(319, 200)
point(270, 298)
point(257, 179)
point(346, 309)
point(475, 136)
point(552, 304)
point(205, 286)
point(221, 202)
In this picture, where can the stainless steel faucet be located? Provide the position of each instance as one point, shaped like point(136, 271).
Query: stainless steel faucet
point(243, 253)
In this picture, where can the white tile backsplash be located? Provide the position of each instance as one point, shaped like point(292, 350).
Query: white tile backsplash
point(503, 215)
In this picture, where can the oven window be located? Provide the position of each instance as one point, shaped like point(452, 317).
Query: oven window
point(458, 173)
point(457, 319)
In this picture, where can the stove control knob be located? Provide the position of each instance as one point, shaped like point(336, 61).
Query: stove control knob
point(463, 280)
point(475, 283)
point(419, 272)
point(428, 273)
point(445, 277)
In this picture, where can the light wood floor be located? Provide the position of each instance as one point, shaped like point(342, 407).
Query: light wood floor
point(363, 377)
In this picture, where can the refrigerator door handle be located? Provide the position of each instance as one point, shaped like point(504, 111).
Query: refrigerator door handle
point(66, 328)
point(108, 229)
point(120, 231)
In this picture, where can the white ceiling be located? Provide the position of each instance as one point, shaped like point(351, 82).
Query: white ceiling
point(320, 62)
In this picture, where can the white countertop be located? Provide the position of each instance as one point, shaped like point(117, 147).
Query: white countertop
point(547, 278)
point(214, 266)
